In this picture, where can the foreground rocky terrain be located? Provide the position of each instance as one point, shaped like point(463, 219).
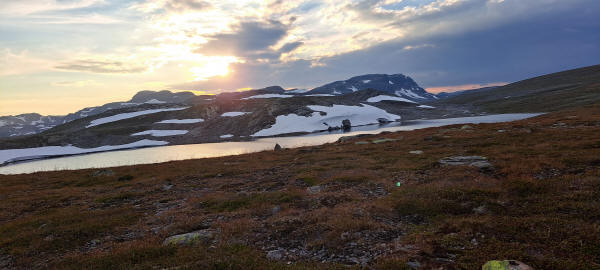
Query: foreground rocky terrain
point(440, 198)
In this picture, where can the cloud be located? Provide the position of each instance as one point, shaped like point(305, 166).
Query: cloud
point(251, 39)
point(27, 7)
point(84, 83)
point(177, 6)
point(557, 38)
point(24, 62)
point(72, 19)
point(101, 66)
point(290, 46)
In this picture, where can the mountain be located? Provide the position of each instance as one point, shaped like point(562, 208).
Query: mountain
point(153, 118)
point(396, 84)
point(552, 92)
point(442, 95)
point(164, 96)
point(32, 123)
point(234, 116)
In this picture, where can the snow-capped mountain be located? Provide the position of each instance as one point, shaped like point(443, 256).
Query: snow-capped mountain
point(397, 87)
point(397, 84)
point(32, 123)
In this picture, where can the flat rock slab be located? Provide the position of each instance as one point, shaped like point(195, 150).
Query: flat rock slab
point(475, 161)
point(197, 237)
point(383, 140)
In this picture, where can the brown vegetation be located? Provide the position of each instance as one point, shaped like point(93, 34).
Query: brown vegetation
point(537, 204)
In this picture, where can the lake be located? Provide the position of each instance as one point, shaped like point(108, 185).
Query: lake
point(207, 150)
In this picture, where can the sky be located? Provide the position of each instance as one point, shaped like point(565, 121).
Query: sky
point(58, 56)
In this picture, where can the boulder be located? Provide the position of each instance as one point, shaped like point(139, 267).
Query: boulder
point(348, 138)
point(346, 125)
point(505, 265)
point(197, 237)
point(314, 189)
point(275, 254)
point(277, 147)
point(103, 172)
point(475, 161)
point(383, 120)
point(383, 140)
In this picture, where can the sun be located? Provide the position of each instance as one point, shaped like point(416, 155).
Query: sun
point(212, 67)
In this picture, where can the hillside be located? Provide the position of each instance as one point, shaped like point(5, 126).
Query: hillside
point(369, 201)
point(546, 93)
point(226, 117)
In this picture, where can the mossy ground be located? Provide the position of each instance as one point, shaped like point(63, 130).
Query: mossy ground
point(538, 204)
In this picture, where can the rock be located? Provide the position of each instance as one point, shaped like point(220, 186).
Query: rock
point(167, 186)
point(348, 138)
point(6, 262)
point(476, 161)
point(383, 140)
point(505, 265)
point(314, 189)
point(414, 265)
point(346, 125)
point(362, 142)
point(202, 236)
point(275, 209)
point(383, 120)
point(99, 173)
point(275, 254)
point(480, 210)
point(277, 147)
point(416, 152)
point(466, 127)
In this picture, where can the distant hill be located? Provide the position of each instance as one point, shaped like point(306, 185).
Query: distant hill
point(442, 95)
point(396, 84)
point(552, 92)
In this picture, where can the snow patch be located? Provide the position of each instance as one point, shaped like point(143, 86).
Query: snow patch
point(269, 96)
point(384, 97)
point(161, 133)
point(358, 115)
point(319, 95)
point(11, 155)
point(123, 116)
point(298, 91)
point(226, 136)
point(366, 81)
point(353, 88)
point(232, 114)
point(181, 121)
point(425, 107)
point(154, 101)
point(390, 82)
point(408, 93)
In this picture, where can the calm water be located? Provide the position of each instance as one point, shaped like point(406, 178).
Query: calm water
point(206, 150)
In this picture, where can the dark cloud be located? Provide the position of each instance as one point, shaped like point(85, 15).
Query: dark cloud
point(288, 47)
point(249, 39)
point(540, 43)
point(96, 66)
